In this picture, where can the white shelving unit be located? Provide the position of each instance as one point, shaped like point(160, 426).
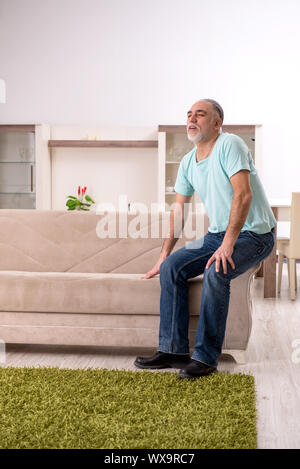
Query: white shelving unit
point(119, 161)
point(172, 146)
point(40, 164)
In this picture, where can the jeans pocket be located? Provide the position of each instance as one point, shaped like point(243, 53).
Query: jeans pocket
point(264, 241)
point(256, 236)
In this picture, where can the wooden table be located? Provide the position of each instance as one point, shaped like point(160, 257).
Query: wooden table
point(282, 212)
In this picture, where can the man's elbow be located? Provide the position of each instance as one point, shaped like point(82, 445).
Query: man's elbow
point(244, 198)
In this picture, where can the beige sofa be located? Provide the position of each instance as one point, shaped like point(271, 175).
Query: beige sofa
point(61, 283)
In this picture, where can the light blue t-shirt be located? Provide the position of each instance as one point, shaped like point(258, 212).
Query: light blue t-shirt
point(210, 178)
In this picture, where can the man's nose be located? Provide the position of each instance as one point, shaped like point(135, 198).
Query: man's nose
point(193, 118)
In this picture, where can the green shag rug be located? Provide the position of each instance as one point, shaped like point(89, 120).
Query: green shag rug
point(119, 409)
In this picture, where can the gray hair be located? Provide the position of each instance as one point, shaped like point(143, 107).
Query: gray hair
point(217, 107)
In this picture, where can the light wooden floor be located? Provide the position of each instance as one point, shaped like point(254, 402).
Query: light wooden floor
point(272, 360)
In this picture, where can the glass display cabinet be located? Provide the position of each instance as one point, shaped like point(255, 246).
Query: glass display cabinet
point(17, 166)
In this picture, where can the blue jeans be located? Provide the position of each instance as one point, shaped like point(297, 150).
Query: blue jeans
point(188, 262)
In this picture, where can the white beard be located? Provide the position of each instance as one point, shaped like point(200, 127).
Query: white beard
point(195, 138)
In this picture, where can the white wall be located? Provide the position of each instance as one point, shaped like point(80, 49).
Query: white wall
point(141, 62)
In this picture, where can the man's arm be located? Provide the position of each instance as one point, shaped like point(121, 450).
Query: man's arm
point(240, 205)
point(239, 210)
point(177, 220)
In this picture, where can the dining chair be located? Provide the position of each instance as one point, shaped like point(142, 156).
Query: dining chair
point(290, 248)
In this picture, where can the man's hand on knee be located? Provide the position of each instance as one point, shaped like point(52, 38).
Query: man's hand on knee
point(222, 254)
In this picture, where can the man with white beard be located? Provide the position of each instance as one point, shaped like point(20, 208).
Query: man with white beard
point(240, 235)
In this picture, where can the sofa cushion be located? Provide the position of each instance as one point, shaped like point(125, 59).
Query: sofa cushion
point(61, 241)
point(69, 292)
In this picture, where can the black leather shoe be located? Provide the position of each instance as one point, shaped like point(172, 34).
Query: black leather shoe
point(196, 369)
point(162, 360)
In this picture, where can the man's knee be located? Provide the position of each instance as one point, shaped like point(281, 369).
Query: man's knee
point(171, 265)
point(212, 275)
point(166, 267)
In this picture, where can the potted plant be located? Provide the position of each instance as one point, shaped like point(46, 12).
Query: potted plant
point(76, 203)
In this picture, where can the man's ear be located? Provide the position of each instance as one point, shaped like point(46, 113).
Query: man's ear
point(218, 123)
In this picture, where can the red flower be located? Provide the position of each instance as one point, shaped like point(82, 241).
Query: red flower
point(78, 190)
point(84, 189)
